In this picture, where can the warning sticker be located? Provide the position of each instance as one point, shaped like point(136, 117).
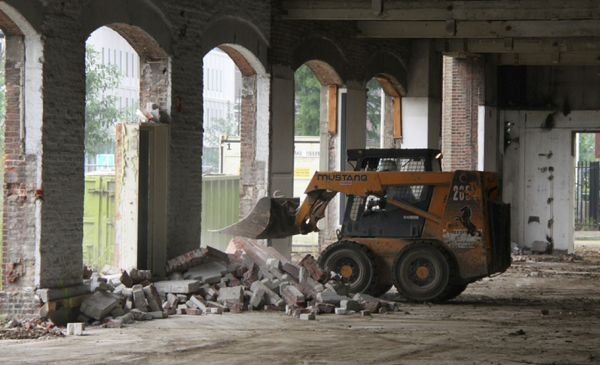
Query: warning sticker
point(301, 172)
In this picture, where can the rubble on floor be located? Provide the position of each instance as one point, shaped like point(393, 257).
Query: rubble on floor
point(207, 281)
point(27, 329)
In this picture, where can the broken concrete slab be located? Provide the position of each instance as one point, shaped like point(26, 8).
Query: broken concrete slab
point(330, 297)
point(99, 305)
point(49, 295)
point(209, 273)
point(177, 286)
point(368, 302)
point(231, 293)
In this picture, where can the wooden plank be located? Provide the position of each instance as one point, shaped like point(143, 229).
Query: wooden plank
point(397, 105)
point(480, 29)
point(443, 10)
point(332, 110)
point(519, 45)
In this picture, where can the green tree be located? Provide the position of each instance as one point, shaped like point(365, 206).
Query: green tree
point(587, 144)
point(307, 102)
point(101, 112)
point(212, 138)
point(373, 113)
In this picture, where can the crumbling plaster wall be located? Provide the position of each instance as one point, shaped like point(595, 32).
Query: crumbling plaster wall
point(545, 106)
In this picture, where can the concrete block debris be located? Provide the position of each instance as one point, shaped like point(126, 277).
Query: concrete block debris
point(75, 329)
point(208, 281)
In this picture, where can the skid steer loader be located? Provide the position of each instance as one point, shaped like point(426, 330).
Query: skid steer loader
point(406, 223)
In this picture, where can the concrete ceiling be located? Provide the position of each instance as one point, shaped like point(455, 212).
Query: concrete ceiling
point(525, 32)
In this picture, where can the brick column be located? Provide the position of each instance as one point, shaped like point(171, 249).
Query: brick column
point(463, 94)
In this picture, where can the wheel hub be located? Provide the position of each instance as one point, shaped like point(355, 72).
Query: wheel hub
point(422, 272)
point(346, 271)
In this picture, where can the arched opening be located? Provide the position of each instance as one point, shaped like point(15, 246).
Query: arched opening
point(316, 123)
point(384, 114)
point(112, 97)
point(126, 148)
point(307, 128)
point(234, 159)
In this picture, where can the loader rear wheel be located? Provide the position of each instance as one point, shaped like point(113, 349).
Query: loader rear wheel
point(380, 289)
point(422, 273)
point(353, 261)
point(454, 291)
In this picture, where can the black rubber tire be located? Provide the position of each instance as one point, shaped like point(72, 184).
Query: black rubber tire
point(454, 291)
point(354, 261)
point(380, 289)
point(423, 272)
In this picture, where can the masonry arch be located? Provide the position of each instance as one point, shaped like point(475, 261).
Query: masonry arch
point(328, 63)
point(390, 75)
point(131, 14)
point(21, 145)
point(246, 47)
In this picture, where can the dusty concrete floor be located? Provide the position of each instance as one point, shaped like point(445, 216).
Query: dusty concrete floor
point(496, 321)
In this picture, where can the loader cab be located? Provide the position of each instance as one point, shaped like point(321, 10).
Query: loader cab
point(371, 216)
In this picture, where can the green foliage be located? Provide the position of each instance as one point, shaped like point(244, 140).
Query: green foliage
point(212, 138)
point(373, 113)
point(101, 112)
point(587, 147)
point(308, 102)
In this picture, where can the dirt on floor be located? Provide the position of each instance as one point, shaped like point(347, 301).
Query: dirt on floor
point(543, 310)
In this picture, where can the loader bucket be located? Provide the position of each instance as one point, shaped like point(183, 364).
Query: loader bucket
point(270, 218)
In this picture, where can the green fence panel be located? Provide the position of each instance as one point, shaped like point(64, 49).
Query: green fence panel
point(99, 221)
point(220, 208)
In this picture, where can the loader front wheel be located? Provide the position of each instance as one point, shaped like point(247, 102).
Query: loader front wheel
point(422, 273)
point(353, 261)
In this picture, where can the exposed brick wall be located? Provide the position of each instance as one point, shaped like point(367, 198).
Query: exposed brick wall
point(18, 303)
point(18, 233)
point(251, 172)
point(463, 94)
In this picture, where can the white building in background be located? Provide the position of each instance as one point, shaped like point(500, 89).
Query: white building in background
point(222, 86)
point(115, 50)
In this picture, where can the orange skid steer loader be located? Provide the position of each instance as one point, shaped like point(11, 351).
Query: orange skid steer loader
point(406, 223)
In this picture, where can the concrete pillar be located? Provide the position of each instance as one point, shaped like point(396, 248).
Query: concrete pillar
point(59, 253)
point(355, 129)
point(421, 107)
point(185, 155)
point(282, 142)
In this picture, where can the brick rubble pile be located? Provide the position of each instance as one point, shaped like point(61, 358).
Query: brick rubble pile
point(248, 277)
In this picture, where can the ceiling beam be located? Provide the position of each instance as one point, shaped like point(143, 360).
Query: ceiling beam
point(480, 29)
point(519, 45)
point(552, 59)
point(443, 10)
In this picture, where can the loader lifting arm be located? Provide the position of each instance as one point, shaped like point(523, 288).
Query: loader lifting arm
point(276, 217)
